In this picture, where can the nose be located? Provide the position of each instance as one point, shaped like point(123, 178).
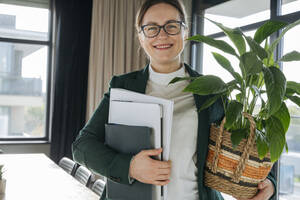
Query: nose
point(162, 34)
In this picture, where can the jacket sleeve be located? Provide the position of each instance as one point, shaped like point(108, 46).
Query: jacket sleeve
point(89, 148)
point(271, 177)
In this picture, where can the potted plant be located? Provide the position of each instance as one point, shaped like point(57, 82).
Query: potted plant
point(251, 137)
point(2, 180)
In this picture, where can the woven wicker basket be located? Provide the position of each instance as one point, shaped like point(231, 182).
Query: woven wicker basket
point(236, 172)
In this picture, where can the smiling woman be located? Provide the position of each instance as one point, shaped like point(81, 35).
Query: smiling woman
point(162, 30)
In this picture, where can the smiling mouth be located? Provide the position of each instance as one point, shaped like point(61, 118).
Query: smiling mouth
point(163, 46)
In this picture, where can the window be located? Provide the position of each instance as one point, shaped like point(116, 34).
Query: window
point(290, 162)
point(24, 62)
point(290, 6)
point(248, 15)
point(236, 13)
point(4, 116)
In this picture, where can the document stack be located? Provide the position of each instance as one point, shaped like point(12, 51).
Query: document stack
point(131, 113)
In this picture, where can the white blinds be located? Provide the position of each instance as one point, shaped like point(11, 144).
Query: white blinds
point(30, 3)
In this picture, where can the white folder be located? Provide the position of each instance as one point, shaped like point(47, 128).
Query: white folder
point(139, 114)
point(117, 94)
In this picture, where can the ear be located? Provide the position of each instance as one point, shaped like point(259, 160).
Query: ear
point(186, 34)
point(141, 39)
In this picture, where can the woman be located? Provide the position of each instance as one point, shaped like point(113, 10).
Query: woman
point(162, 30)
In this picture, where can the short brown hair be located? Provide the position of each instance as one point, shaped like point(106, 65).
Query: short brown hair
point(149, 3)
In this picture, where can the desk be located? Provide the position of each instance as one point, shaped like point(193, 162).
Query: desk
point(36, 177)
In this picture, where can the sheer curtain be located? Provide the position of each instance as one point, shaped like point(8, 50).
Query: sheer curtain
point(114, 46)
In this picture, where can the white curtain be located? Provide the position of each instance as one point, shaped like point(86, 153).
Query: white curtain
point(114, 46)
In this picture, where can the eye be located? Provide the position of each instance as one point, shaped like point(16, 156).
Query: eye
point(172, 26)
point(151, 28)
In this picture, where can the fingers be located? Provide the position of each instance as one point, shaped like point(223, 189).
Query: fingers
point(264, 184)
point(147, 170)
point(260, 196)
point(265, 191)
point(163, 177)
point(162, 164)
point(152, 152)
point(164, 172)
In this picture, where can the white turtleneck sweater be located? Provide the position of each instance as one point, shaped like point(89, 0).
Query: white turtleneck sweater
point(183, 181)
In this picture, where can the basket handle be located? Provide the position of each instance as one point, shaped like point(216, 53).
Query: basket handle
point(245, 155)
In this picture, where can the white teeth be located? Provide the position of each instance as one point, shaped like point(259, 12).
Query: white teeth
point(163, 46)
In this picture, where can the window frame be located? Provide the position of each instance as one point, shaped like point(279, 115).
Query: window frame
point(49, 75)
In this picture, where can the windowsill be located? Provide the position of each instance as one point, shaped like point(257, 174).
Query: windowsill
point(13, 142)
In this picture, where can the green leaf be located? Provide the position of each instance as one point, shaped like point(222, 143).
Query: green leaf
point(238, 97)
point(275, 85)
point(289, 92)
point(206, 85)
point(219, 44)
point(263, 112)
point(291, 56)
point(294, 99)
point(209, 102)
point(251, 63)
point(293, 86)
point(233, 113)
point(268, 29)
point(284, 116)
point(262, 144)
point(232, 85)
point(242, 68)
point(257, 49)
point(235, 36)
point(237, 136)
point(276, 137)
point(176, 79)
point(274, 44)
point(225, 63)
point(286, 147)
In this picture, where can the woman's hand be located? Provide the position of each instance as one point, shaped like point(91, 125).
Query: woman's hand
point(266, 190)
point(147, 170)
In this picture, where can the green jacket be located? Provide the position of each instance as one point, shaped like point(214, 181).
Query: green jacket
point(89, 148)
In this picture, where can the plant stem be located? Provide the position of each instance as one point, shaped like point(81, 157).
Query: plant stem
point(252, 105)
point(248, 95)
point(223, 104)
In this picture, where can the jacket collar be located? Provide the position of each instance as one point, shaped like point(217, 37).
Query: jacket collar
point(139, 83)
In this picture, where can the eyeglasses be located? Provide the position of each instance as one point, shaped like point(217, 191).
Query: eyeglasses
point(171, 28)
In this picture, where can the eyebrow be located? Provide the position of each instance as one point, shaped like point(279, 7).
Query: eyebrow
point(154, 23)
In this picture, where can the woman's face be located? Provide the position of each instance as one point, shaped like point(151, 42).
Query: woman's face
point(162, 49)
